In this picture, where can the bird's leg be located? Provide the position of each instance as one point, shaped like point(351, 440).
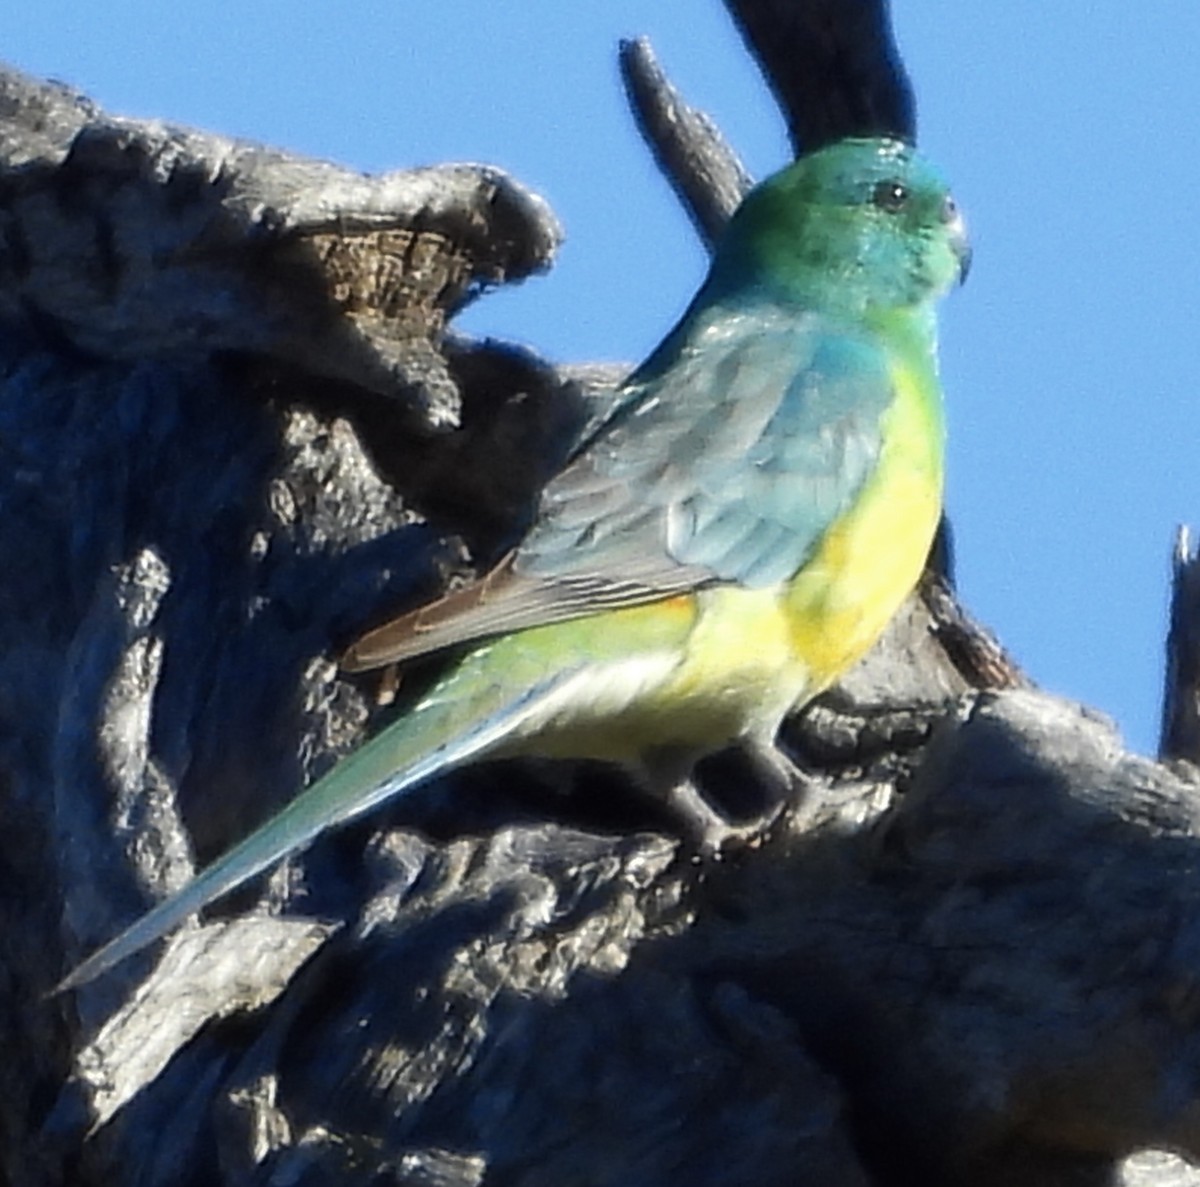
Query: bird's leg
point(788, 786)
point(776, 773)
point(667, 772)
point(705, 827)
point(389, 685)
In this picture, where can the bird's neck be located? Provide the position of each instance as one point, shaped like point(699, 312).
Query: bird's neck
point(741, 281)
point(910, 328)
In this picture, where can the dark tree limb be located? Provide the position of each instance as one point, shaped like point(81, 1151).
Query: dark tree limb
point(1181, 694)
point(832, 65)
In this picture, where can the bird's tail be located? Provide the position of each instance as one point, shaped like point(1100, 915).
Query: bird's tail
point(468, 714)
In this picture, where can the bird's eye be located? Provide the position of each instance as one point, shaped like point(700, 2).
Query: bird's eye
point(890, 196)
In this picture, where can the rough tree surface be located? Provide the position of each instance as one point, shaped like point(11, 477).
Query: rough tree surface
point(237, 430)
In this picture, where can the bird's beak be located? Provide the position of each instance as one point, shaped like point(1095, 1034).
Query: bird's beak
point(962, 249)
point(959, 242)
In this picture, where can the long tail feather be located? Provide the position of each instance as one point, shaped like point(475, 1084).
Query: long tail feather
point(431, 739)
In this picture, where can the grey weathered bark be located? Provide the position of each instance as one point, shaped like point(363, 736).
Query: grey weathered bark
point(968, 956)
point(697, 160)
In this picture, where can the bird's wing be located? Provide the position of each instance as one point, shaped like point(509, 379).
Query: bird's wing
point(730, 456)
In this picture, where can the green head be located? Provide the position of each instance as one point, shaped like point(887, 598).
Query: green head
point(860, 225)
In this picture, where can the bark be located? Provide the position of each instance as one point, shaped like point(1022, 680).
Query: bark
point(238, 431)
point(702, 167)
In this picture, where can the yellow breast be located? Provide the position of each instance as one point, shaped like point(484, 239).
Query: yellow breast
point(870, 560)
point(759, 652)
point(728, 662)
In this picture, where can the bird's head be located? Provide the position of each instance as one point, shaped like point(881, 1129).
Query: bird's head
point(859, 224)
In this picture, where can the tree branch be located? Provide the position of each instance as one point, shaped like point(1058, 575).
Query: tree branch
point(1181, 695)
point(702, 168)
point(832, 65)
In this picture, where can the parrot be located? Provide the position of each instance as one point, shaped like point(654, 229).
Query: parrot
point(734, 534)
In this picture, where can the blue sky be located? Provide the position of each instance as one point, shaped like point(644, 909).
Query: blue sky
point(1070, 132)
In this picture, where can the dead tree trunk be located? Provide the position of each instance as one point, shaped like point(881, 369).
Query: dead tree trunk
point(237, 430)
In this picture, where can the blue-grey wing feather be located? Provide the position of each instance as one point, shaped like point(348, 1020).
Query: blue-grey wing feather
point(727, 463)
point(726, 459)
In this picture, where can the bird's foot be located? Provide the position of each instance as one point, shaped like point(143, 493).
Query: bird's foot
point(708, 829)
point(729, 800)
